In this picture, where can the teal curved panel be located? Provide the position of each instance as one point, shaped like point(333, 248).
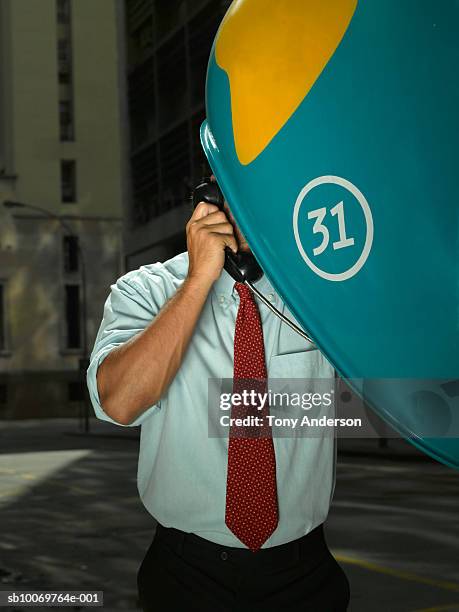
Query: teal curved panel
point(352, 209)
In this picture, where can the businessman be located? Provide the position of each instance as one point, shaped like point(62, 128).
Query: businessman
point(239, 520)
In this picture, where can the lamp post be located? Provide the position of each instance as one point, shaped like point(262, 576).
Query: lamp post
point(84, 361)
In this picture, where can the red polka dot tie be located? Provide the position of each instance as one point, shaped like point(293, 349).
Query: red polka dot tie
point(251, 492)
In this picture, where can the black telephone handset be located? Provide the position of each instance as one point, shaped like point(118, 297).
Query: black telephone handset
point(242, 266)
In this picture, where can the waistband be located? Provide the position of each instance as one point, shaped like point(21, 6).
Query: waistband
point(311, 547)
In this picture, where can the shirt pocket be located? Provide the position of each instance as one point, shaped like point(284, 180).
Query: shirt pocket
point(300, 364)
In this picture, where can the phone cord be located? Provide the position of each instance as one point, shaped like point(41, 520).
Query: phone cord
point(278, 313)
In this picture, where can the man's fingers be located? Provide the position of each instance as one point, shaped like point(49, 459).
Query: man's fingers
point(213, 218)
point(210, 220)
point(220, 228)
point(203, 209)
point(229, 240)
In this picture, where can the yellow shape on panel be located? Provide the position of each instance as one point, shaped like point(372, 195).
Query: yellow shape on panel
point(273, 52)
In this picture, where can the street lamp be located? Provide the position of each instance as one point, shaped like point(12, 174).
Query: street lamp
point(84, 361)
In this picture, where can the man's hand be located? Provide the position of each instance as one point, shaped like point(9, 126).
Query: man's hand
point(208, 233)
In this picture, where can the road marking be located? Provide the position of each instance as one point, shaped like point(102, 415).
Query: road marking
point(389, 571)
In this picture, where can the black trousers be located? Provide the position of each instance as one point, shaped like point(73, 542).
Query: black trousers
point(182, 572)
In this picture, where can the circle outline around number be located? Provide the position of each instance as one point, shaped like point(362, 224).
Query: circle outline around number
point(335, 180)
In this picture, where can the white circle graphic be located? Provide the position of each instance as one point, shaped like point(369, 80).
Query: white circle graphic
point(336, 180)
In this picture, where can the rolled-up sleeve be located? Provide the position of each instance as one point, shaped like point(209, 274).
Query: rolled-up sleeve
point(129, 308)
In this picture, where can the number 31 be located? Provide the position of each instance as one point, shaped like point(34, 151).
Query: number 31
point(320, 228)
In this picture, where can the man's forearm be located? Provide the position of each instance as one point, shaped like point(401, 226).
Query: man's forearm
point(136, 374)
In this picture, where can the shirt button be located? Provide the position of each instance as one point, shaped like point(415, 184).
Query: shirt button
point(271, 297)
point(224, 555)
point(221, 299)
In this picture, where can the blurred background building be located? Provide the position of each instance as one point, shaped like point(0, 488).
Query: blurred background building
point(60, 151)
point(168, 48)
point(100, 109)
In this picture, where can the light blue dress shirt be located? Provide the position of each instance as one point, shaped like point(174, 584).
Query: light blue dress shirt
point(182, 470)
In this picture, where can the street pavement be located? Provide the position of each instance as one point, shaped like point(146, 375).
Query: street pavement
point(70, 518)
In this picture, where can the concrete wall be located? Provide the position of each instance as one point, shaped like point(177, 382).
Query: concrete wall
point(36, 366)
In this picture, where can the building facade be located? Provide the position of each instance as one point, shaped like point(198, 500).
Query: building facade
point(168, 47)
point(60, 158)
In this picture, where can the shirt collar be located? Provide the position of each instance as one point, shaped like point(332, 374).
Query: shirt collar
point(224, 285)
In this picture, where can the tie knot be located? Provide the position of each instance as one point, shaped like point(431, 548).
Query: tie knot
point(244, 291)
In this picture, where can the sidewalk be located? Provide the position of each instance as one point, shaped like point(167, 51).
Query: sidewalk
point(72, 519)
point(70, 512)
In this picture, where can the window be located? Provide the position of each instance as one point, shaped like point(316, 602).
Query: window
point(63, 50)
point(68, 180)
point(70, 250)
point(66, 120)
point(72, 316)
point(2, 318)
point(64, 58)
point(63, 11)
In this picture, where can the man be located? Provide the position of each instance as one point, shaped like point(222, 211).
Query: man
point(239, 520)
